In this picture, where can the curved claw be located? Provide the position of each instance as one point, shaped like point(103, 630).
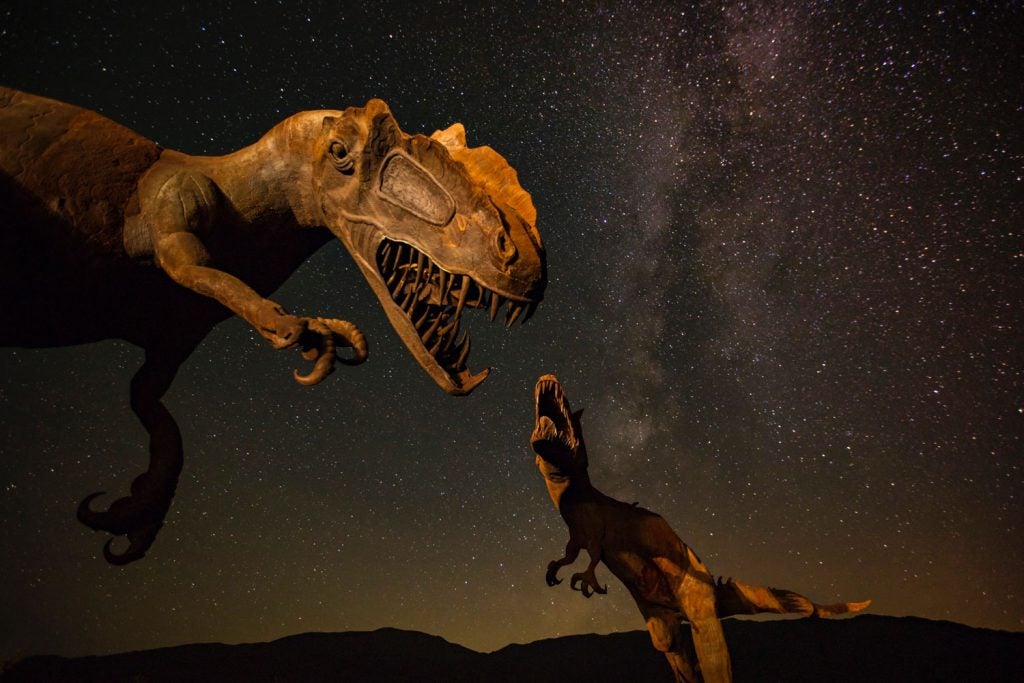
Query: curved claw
point(127, 516)
point(136, 551)
point(97, 521)
point(588, 585)
point(327, 335)
point(552, 574)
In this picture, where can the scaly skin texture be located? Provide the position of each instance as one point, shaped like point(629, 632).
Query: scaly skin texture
point(665, 577)
point(105, 235)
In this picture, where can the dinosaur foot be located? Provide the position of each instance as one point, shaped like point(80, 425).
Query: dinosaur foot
point(138, 517)
point(319, 344)
point(552, 574)
point(587, 584)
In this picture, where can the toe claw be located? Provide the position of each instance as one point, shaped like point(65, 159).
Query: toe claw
point(587, 584)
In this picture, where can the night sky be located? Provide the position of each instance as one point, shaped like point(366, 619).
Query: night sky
point(785, 255)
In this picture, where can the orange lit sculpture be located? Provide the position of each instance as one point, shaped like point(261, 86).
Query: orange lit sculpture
point(665, 577)
point(105, 235)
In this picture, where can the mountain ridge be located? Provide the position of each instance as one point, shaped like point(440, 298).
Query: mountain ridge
point(862, 648)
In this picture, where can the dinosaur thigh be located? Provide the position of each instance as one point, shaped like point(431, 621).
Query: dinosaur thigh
point(646, 581)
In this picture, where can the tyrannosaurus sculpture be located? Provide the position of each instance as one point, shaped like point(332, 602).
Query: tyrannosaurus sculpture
point(665, 577)
point(105, 235)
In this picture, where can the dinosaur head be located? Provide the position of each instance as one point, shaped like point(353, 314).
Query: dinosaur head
point(436, 228)
point(557, 437)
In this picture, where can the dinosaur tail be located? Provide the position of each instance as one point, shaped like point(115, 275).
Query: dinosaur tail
point(735, 597)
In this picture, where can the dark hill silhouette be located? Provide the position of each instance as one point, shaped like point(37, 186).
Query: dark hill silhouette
point(865, 648)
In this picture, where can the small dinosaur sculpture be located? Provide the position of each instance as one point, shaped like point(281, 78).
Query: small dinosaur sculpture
point(665, 577)
point(106, 235)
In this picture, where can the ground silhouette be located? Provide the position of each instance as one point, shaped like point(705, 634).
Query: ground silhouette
point(864, 648)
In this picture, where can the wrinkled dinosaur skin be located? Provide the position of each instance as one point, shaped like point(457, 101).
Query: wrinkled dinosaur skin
point(665, 577)
point(106, 235)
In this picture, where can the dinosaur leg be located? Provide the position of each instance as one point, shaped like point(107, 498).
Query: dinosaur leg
point(668, 637)
point(695, 590)
point(140, 515)
point(736, 597)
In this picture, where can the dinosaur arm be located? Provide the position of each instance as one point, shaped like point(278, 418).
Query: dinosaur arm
point(183, 257)
point(572, 551)
point(183, 209)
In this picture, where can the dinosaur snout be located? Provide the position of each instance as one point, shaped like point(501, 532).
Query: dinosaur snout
point(518, 254)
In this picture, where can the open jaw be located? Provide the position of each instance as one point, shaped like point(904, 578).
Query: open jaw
point(553, 426)
point(425, 303)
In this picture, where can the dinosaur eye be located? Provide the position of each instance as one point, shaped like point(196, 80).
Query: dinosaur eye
point(341, 158)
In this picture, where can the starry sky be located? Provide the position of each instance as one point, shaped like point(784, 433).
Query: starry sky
point(784, 248)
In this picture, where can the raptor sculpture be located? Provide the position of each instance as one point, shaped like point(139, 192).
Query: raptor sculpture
point(106, 235)
point(665, 577)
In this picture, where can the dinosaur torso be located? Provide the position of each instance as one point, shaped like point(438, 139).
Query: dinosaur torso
point(104, 234)
point(629, 536)
point(69, 180)
point(76, 243)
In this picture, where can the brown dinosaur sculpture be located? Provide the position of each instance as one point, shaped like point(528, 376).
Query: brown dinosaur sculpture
point(665, 577)
point(105, 235)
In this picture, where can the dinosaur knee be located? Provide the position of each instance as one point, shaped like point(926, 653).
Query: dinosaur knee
point(664, 633)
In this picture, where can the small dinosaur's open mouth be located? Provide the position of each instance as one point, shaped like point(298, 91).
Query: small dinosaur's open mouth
point(553, 429)
point(426, 307)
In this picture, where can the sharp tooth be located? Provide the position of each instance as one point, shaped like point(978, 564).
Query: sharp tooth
point(496, 302)
point(433, 328)
point(420, 262)
point(530, 310)
point(409, 302)
point(463, 293)
point(388, 261)
point(463, 352)
point(384, 252)
point(401, 281)
point(514, 309)
point(419, 323)
point(436, 347)
point(451, 334)
point(443, 281)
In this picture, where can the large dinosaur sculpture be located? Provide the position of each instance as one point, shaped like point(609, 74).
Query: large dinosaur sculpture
point(104, 235)
point(666, 579)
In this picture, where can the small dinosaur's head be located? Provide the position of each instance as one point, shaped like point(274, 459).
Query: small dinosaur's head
point(557, 437)
point(436, 228)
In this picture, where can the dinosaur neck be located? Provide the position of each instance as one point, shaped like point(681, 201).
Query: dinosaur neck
point(564, 487)
point(273, 175)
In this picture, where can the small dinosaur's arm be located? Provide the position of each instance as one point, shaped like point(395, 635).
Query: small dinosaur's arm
point(183, 208)
point(572, 551)
point(585, 581)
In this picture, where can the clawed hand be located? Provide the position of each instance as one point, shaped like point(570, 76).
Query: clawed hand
point(319, 342)
point(588, 584)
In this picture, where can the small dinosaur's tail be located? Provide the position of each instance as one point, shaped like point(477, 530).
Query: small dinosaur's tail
point(735, 597)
